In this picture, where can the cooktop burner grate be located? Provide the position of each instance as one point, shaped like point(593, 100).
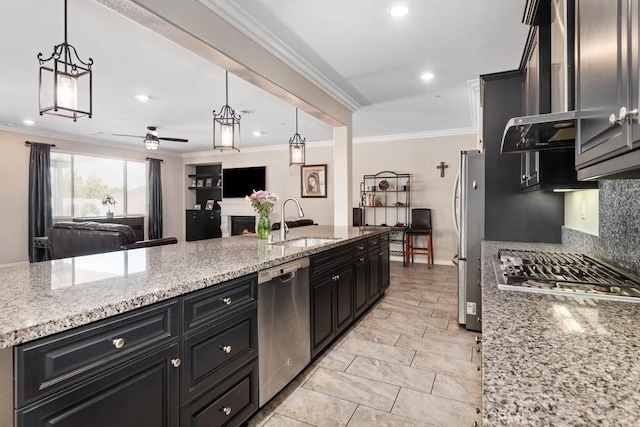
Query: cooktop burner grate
point(562, 273)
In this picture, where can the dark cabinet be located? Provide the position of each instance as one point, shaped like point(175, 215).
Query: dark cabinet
point(203, 225)
point(188, 361)
point(373, 265)
point(360, 291)
point(385, 278)
point(322, 312)
point(608, 132)
point(140, 393)
point(344, 297)
point(332, 294)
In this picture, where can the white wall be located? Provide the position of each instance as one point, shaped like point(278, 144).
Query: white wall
point(420, 158)
point(282, 179)
point(14, 184)
point(581, 211)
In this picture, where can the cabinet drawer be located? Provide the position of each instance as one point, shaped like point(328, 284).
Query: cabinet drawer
point(327, 261)
point(373, 242)
point(229, 404)
point(359, 248)
point(203, 307)
point(384, 239)
point(52, 363)
point(212, 353)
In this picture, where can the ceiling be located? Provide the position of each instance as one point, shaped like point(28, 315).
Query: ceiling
point(354, 49)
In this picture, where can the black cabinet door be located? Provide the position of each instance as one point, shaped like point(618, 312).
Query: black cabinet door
point(344, 297)
point(601, 84)
point(140, 393)
point(360, 292)
point(384, 268)
point(193, 225)
point(211, 225)
point(322, 312)
point(373, 263)
point(202, 225)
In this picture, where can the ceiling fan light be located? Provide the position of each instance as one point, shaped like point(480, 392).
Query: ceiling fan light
point(151, 144)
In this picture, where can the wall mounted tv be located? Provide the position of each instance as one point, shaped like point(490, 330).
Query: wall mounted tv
point(240, 182)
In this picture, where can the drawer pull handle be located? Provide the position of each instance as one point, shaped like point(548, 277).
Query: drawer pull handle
point(227, 410)
point(361, 259)
point(176, 362)
point(226, 349)
point(118, 342)
point(226, 301)
point(361, 248)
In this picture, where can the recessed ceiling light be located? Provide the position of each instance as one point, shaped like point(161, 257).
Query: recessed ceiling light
point(257, 133)
point(427, 76)
point(142, 97)
point(28, 122)
point(398, 11)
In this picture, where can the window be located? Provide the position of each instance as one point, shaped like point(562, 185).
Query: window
point(79, 183)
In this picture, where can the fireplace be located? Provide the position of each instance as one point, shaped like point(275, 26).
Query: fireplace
point(242, 224)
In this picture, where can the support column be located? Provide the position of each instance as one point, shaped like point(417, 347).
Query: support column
point(342, 175)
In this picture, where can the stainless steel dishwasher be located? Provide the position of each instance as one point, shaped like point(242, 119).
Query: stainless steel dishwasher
point(284, 330)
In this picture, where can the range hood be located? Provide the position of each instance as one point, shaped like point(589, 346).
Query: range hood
point(541, 132)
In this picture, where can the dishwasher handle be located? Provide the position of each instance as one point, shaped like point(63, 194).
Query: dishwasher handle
point(287, 277)
point(285, 272)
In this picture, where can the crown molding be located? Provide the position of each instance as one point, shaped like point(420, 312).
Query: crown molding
point(256, 31)
point(473, 86)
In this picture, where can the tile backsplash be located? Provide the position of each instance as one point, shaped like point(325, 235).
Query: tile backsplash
point(619, 240)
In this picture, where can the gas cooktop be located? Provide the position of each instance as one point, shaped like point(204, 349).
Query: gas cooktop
point(561, 273)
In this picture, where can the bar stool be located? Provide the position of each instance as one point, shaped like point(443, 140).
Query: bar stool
point(420, 226)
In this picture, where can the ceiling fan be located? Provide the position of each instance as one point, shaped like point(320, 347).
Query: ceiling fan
point(152, 140)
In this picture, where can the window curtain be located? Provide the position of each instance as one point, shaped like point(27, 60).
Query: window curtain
point(155, 199)
point(40, 213)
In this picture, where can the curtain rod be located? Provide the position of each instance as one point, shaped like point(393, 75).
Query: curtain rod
point(151, 158)
point(29, 143)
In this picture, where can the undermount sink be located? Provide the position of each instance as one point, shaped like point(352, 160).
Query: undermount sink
point(305, 242)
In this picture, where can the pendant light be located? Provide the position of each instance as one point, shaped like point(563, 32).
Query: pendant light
point(228, 129)
point(65, 81)
point(296, 147)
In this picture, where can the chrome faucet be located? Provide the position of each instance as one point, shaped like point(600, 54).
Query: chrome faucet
point(283, 224)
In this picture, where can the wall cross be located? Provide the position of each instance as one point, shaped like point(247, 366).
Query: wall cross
point(442, 167)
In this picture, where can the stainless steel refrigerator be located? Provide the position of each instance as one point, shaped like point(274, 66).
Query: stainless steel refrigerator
point(468, 213)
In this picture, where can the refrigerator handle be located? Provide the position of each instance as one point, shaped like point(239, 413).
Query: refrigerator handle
point(454, 207)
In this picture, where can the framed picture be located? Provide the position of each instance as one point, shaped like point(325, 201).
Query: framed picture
point(200, 183)
point(314, 180)
point(218, 182)
point(197, 207)
point(208, 182)
point(209, 205)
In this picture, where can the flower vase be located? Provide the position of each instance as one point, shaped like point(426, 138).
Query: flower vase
point(109, 214)
point(264, 227)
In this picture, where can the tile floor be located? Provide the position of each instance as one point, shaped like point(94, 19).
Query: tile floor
point(406, 362)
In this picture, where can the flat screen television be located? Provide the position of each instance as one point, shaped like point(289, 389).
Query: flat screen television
point(240, 182)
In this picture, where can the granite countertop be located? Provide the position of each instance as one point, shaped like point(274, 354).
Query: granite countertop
point(556, 360)
point(41, 299)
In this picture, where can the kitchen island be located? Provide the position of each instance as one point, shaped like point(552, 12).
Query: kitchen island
point(556, 360)
point(107, 335)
